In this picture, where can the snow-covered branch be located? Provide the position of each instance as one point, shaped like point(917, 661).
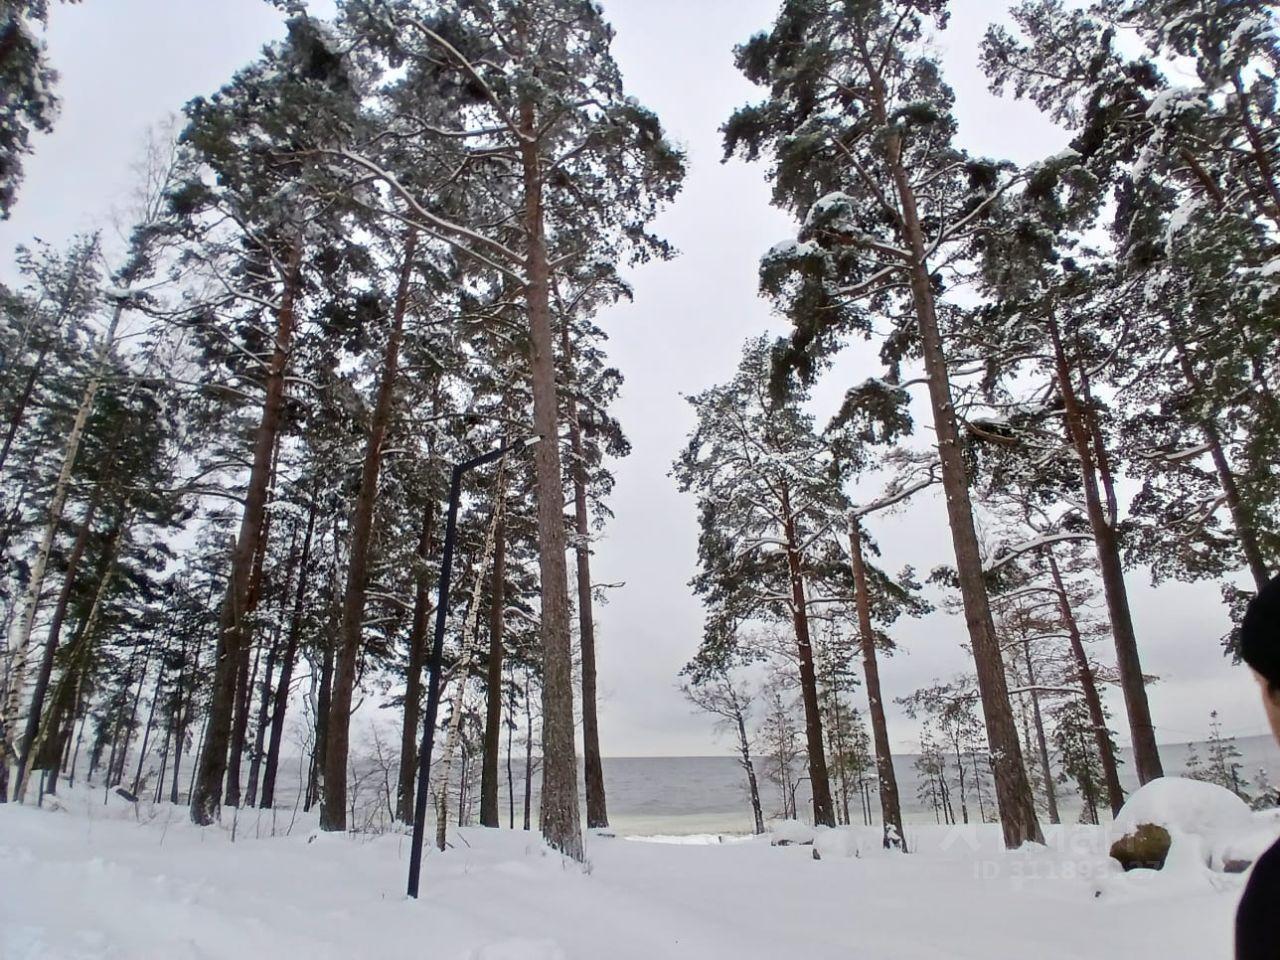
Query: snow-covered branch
point(1030, 546)
point(895, 495)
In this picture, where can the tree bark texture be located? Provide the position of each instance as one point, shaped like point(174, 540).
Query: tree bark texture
point(560, 823)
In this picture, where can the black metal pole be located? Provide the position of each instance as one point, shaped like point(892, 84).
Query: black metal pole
point(437, 656)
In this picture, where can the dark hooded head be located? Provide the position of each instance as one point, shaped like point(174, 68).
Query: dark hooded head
point(1260, 635)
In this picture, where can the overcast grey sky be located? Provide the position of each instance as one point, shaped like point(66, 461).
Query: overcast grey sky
point(126, 64)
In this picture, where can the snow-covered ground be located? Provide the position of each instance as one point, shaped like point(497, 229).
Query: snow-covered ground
point(88, 880)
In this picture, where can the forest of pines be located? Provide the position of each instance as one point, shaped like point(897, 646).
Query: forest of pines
point(384, 247)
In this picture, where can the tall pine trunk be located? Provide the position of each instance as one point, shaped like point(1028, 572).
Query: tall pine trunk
point(121, 751)
point(559, 818)
point(890, 805)
point(246, 673)
point(266, 691)
point(1013, 791)
point(1241, 516)
point(333, 807)
point(79, 650)
point(151, 722)
point(247, 669)
point(528, 751)
point(315, 780)
point(1042, 743)
point(20, 406)
point(493, 685)
point(287, 660)
point(182, 720)
point(207, 790)
point(413, 676)
point(1088, 683)
point(593, 768)
point(823, 810)
point(511, 776)
point(1146, 754)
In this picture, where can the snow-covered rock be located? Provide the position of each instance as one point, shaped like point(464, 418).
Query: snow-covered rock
point(1184, 806)
point(1209, 827)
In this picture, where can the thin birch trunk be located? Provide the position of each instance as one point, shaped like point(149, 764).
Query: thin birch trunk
point(20, 639)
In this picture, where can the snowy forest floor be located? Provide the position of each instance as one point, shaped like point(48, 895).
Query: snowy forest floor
point(88, 880)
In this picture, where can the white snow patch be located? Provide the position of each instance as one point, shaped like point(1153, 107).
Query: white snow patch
point(790, 831)
point(117, 880)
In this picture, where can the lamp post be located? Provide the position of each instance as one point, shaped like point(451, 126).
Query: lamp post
point(437, 651)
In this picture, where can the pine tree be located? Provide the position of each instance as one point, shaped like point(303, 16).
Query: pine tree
point(589, 387)
point(1191, 170)
point(779, 739)
point(297, 95)
point(948, 708)
point(1078, 755)
point(873, 415)
point(1223, 764)
point(1038, 575)
point(765, 491)
point(333, 810)
point(1265, 794)
point(931, 765)
point(593, 164)
point(859, 120)
point(888, 599)
point(27, 102)
point(729, 701)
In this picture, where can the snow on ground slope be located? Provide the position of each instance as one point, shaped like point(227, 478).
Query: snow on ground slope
point(95, 881)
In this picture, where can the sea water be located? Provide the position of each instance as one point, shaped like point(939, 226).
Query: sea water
point(708, 795)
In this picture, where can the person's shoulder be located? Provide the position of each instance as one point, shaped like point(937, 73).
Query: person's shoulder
point(1265, 875)
point(1257, 926)
point(1269, 862)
